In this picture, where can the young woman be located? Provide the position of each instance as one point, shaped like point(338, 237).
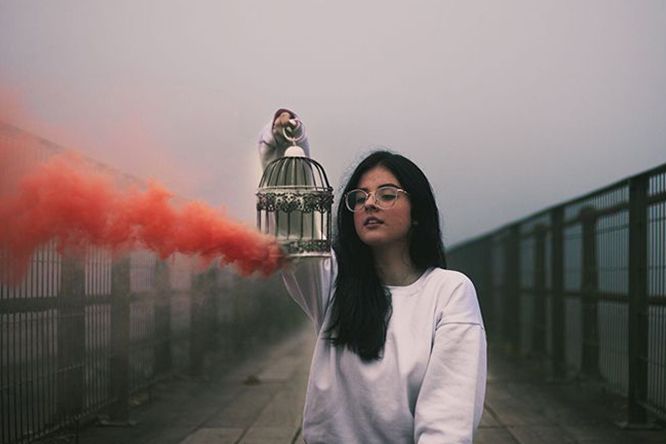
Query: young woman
point(400, 355)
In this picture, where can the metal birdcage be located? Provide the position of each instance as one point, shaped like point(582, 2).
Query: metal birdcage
point(294, 203)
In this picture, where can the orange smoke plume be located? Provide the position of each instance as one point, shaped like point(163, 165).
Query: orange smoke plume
point(64, 200)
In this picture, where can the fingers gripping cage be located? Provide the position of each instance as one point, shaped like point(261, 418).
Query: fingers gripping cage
point(294, 202)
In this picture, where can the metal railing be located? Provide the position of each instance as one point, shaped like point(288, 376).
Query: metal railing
point(583, 285)
point(78, 337)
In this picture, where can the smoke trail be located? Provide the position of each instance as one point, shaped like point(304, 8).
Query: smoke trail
point(62, 199)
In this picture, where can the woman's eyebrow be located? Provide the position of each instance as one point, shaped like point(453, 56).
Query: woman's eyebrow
point(382, 185)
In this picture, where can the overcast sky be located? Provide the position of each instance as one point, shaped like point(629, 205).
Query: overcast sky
point(509, 107)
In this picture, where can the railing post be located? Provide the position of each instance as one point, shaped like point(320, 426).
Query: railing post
point(638, 299)
point(213, 309)
point(506, 301)
point(589, 290)
point(204, 322)
point(71, 337)
point(557, 292)
point(198, 295)
point(498, 284)
point(489, 315)
point(162, 312)
point(120, 331)
point(512, 309)
point(539, 314)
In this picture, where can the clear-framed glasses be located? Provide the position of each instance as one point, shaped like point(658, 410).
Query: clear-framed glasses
point(385, 197)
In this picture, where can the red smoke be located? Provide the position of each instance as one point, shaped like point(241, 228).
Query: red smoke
point(63, 199)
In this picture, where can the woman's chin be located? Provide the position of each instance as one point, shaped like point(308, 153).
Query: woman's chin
point(370, 241)
point(373, 239)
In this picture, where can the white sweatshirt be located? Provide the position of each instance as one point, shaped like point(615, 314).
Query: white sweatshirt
point(429, 385)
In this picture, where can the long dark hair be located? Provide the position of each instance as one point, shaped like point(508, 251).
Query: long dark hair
point(362, 306)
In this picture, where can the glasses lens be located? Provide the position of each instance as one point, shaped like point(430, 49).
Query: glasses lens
point(386, 197)
point(355, 199)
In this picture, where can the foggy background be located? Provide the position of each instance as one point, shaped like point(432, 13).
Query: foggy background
point(508, 107)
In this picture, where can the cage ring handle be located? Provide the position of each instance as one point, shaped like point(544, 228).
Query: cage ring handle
point(293, 140)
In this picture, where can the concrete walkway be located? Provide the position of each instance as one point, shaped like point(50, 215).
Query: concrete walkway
point(522, 407)
point(261, 401)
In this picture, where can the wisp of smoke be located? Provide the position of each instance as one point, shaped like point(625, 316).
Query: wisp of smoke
point(63, 199)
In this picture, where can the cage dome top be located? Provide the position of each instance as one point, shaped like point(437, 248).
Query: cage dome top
point(292, 173)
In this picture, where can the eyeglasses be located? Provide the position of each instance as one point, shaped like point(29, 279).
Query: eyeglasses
point(385, 197)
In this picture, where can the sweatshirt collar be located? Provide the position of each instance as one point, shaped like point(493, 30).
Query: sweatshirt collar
point(411, 288)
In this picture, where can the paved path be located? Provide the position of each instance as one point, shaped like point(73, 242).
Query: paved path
point(258, 401)
point(261, 400)
point(523, 408)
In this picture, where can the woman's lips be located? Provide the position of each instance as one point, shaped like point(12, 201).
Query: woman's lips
point(372, 221)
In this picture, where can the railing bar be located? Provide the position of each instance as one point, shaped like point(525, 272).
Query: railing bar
point(54, 314)
point(42, 359)
point(23, 362)
point(14, 373)
point(4, 380)
point(28, 372)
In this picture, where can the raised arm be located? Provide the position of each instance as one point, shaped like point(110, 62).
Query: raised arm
point(309, 281)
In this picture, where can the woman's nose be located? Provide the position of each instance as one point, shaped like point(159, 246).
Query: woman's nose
point(367, 203)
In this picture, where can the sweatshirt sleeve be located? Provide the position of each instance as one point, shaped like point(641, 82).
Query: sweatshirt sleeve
point(450, 401)
point(309, 282)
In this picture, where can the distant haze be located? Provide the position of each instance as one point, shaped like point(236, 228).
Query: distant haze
point(508, 107)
